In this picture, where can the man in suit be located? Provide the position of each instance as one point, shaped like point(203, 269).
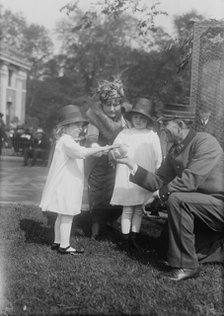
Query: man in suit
point(191, 183)
point(38, 148)
point(3, 136)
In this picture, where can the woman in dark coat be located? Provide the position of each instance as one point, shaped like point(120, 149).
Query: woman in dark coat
point(106, 122)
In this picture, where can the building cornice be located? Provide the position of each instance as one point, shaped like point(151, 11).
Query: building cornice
point(11, 56)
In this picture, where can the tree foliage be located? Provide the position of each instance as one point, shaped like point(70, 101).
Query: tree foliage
point(113, 9)
point(102, 43)
point(32, 40)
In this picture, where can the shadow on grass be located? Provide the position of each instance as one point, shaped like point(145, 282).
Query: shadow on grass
point(36, 232)
point(152, 251)
point(41, 233)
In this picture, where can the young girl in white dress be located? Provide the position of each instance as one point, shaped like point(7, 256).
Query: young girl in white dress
point(142, 144)
point(63, 190)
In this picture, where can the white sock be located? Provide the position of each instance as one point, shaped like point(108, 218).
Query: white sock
point(65, 230)
point(57, 235)
point(137, 219)
point(126, 219)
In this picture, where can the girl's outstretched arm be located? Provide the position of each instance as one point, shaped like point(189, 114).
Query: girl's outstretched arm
point(74, 150)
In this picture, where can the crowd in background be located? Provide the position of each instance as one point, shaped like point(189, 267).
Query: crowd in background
point(32, 145)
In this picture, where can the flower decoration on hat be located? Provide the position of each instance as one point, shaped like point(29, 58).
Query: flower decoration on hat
point(110, 90)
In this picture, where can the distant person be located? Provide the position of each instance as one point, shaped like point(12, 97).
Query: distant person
point(143, 145)
point(63, 190)
point(190, 181)
point(18, 140)
point(39, 147)
point(3, 135)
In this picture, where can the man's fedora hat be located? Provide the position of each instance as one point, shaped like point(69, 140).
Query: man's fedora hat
point(177, 111)
point(142, 106)
point(40, 131)
point(71, 114)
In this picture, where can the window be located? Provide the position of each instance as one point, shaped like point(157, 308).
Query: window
point(10, 75)
point(8, 113)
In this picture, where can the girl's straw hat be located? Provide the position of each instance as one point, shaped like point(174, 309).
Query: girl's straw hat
point(144, 107)
point(71, 114)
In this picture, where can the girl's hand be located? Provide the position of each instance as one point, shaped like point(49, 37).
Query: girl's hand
point(119, 152)
point(108, 148)
point(127, 161)
point(103, 149)
point(99, 154)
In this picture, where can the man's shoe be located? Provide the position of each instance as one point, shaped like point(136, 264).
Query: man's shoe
point(179, 274)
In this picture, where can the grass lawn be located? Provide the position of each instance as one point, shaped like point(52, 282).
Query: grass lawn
point(35, 280)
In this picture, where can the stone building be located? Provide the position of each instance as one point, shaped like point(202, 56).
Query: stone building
point(13, 76)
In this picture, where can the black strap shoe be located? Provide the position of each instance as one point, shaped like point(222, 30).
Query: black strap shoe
point(66, 251)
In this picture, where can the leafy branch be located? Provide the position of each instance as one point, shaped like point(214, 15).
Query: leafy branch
point(115, 8)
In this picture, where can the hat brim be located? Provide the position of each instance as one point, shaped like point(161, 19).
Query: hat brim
point(73, 120)
point(128, 115)
point(174, 117)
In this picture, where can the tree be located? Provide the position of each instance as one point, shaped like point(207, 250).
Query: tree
point(184, 30)
point(11, 28)
point(33, 40)
point(100, 51)
point(157, 74)
point(113, 9)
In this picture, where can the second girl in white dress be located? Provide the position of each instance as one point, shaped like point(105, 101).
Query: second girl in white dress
point(143, 146)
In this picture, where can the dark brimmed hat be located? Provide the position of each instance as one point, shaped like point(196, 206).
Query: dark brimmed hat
point(177, 111)
point(71, 114)
point(142, 106)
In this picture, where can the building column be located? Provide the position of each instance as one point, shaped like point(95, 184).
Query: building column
point(3, 89)
point(21, 95)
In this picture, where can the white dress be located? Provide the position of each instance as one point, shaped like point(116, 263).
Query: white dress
point(63, 190)
point(145, 149)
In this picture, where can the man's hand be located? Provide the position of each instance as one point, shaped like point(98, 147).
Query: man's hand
point(127, 161)
point(156, 195)
point(149, 200)
point(152, 198)
point(119, 152)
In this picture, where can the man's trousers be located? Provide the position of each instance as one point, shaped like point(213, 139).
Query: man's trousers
point(185, 212)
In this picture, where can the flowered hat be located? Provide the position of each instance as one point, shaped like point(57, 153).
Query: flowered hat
point(110, 90)
point(142, 106)
point(71, 114)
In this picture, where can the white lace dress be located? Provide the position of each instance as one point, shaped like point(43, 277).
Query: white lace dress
point(63, 190)
point(145, 149)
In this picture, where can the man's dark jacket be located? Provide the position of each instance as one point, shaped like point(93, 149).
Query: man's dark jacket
point(196, 165)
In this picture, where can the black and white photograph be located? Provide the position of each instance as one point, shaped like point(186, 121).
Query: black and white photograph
point(112, 157)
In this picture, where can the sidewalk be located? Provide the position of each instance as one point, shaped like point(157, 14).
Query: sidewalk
point(21, 184)
point(24, 185)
